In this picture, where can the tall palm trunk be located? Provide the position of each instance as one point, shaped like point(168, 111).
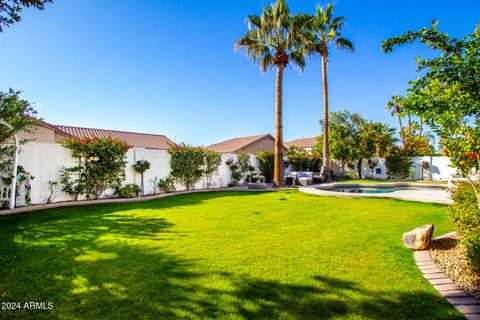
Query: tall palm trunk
point(402, 133)
point(326, 156)
point(420, 129)
point(409, 129)
point(278, 179)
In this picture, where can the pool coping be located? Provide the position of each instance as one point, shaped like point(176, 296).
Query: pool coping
point(325, 190)
point(452, 292)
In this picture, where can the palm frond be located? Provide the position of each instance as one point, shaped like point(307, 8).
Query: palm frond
point(344, 44)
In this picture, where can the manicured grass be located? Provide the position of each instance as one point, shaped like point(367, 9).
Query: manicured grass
point(389, 181)
point(227, 255)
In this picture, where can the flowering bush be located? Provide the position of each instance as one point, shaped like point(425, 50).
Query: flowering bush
point(102, 163)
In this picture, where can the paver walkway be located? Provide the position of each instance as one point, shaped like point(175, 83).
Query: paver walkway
point(447, 289)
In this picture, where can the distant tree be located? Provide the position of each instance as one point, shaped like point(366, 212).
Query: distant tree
point(326, 30)
point(10, 10)
point(274, 40)
point(415, 141)
point(353, 138)
point(341, 142)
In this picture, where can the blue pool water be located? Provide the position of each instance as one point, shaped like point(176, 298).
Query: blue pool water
point(364, 189)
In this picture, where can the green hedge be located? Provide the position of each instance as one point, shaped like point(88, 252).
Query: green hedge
point(465, 215)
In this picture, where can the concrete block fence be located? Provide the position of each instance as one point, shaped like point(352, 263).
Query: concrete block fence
point(44, 161)
point(440, 169)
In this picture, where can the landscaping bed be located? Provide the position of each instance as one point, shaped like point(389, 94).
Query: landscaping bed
point(450, 255)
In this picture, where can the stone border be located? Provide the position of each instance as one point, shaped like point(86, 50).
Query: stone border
point(452, 292)
point(67, 204)
point(326, 190)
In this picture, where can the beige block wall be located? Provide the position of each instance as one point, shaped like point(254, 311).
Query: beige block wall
point(265, 143)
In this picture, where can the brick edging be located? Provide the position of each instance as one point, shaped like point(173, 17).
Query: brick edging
point(452, 292)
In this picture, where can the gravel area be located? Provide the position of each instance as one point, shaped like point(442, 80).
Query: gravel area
point(450, 255)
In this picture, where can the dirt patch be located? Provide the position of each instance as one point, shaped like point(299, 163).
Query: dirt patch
point(450, 255)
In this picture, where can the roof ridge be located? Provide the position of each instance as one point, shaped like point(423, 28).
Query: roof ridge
point(121, 131)
point(237, 138)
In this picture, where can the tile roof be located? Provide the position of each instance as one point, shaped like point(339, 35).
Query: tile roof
point(302, 142)
point(133, 139)
point(234, 145)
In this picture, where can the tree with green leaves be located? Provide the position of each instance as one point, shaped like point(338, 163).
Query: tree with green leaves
point(20, 115)
point(353, 138)
point(274, 40)
point(447, 93)
point(186, 164)
point(102, 163)
point(384, 138)
point(266, 163)
point(415, 141)
point(141, 166)
point(326, 30)
point(10, 10)
point(213, 160)
point(341, 140)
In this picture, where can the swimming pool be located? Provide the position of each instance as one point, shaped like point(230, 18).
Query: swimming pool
point(374, 189)
point(364, 189)
point(425, 192)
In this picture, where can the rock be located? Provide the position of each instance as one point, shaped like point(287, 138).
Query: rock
point(418, 238)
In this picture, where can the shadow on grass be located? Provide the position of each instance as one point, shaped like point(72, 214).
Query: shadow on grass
point(59, 257)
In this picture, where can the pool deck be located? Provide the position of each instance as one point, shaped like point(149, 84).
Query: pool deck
point(437, 194)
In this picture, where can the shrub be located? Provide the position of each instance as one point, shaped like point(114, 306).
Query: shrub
point(240, 168)
point(266, 164)
point(130, 190)
point(71, 184)
point(102, 163)
point(167, 184)
point(398, 164)
point(186, 164)
point(212, 161)
point(465, 215)
point(49, 196)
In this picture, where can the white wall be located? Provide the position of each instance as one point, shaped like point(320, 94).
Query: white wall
point(439, 168)
point(44, 161)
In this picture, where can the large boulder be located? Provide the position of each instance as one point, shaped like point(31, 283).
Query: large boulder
point(418, 238)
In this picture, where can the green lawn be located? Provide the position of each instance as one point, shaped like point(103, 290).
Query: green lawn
point(227, 255)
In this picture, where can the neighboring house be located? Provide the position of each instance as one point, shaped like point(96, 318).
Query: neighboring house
point(43, 156)
point(250, 144)
point(307, 144)
point(48, 133)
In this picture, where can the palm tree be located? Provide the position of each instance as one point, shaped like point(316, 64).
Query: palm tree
point(274, 39)
point(384, 138)
point(326, 30)
point(395, 106)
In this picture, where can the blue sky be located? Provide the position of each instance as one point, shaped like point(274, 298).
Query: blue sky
point(168, 66)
